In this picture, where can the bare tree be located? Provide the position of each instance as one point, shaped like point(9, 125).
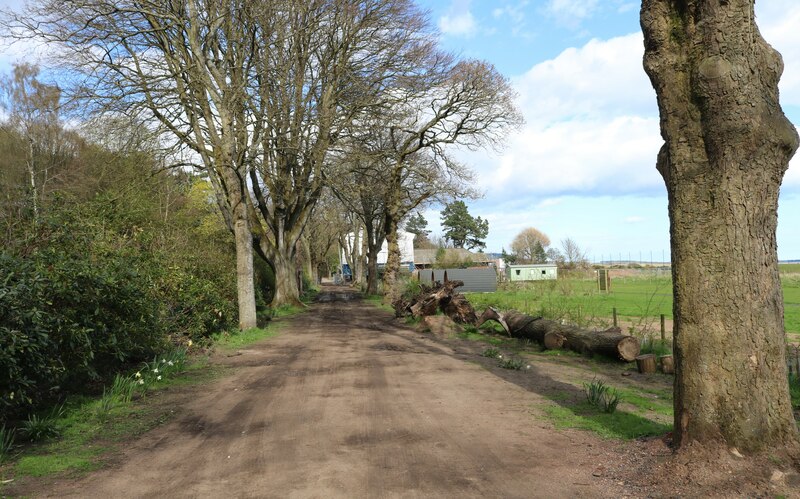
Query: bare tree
point(327, 70)
point(727, 147)
point(322, 234)
point(449, 103)
point(530, 246)
point(186, 67)
point(358, 184)
point(363, 188)
point(33, 111)
point(572, 254)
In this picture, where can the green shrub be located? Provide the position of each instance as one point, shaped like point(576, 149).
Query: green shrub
point(68, 320)
point(194, 306)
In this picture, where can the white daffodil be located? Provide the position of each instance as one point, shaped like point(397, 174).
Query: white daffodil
point(158, 378)
point(170, 363)
point(155, 370)
point(189, 343)
point(138, 374)
point(141, 381)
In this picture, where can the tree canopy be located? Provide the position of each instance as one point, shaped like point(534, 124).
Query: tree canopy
point(461, 228)
point(530, 246)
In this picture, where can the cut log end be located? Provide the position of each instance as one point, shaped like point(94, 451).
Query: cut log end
point(628, 348)
point(667, 364)
point(646, 363)
point(554, 341)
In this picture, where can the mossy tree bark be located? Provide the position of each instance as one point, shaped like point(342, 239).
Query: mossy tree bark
point(727, 146)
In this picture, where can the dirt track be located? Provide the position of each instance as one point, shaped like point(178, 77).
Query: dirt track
point(346, 403)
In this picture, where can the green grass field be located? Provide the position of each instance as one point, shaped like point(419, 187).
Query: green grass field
point(789, 268)
point(639, 301)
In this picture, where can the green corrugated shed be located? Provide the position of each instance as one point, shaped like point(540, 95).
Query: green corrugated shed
point(532, 272)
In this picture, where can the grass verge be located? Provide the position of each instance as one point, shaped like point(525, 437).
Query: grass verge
point(620, 424)
point(239, 339)
point(91, 427)
point(377, 301)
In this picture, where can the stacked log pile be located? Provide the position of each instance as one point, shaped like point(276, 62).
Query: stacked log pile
point(551, 334)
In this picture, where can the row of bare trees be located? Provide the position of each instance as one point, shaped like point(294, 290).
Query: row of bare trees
point(276, 101)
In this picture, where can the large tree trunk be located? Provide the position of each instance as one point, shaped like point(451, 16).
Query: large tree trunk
point(392, 270)
point(243, 240)
point(286, 290)
point(372, 271)
point(245, 287)
point(361, 264)
point(281, 257)
point(552, 334)
point(312, 266)
point(727, 147)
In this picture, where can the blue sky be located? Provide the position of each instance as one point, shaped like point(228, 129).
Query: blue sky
point(584, 164)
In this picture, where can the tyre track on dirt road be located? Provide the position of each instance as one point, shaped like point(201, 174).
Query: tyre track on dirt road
point(347, 403)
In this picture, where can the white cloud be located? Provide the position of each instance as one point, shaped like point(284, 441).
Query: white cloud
point(571, 12)
point(635, 219)
point(458, 21)
point(589, 156)
point(602, 78)
point(592, 128)
point(626, 7)
point(515, 14)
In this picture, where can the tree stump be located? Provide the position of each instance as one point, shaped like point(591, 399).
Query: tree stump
point(646, 363)
point(667, 364)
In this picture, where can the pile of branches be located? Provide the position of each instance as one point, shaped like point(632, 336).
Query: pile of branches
point(434, 298)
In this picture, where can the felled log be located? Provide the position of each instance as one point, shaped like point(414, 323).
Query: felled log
point(440, 296)
point(610, 343)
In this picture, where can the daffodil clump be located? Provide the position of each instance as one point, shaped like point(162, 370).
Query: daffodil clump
point(124, 387)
